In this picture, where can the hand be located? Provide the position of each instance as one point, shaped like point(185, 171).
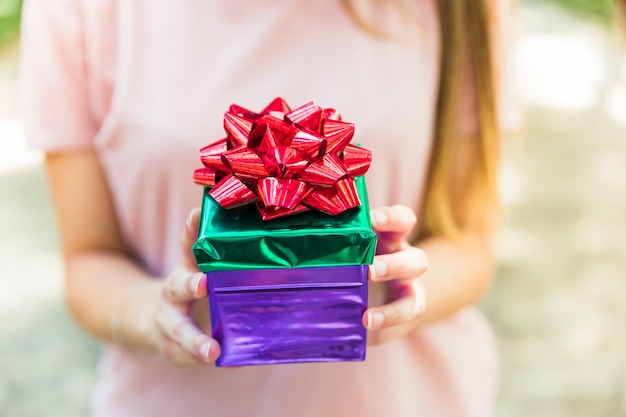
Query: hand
point(398, 265)
point(178, 337)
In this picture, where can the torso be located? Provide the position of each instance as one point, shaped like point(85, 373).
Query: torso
point(161, 74)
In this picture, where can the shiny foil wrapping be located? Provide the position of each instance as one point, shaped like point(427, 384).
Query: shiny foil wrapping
point(238, 238)
point(272, 316)
point(285, 236)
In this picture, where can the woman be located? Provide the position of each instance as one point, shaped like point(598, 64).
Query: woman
point(121, 95)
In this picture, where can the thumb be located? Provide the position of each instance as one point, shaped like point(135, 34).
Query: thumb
point(188, 237)
point(392, 224)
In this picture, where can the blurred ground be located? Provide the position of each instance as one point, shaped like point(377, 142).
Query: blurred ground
point(46, 364)
point(558, 305)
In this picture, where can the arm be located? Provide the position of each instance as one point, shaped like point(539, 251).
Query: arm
point(110, 295)
point(461, 269)
point(104, 282)
point(459, 274)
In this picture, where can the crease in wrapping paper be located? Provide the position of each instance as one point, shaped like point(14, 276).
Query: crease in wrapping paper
point(273, 316)
point(238, 238)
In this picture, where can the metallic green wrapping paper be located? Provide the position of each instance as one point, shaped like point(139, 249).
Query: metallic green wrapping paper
point(238, 239)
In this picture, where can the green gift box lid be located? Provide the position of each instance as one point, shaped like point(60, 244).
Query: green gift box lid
point(238, 238)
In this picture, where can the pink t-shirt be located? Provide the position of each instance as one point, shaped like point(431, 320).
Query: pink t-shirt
point(145, 83)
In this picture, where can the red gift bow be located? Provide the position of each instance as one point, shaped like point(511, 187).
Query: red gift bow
point(288, 166)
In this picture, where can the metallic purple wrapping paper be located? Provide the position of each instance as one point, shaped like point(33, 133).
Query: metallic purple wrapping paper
point(270, 316)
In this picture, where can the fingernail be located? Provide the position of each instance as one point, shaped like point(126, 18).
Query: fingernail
point(420, 300)
point(189, 219)
point(420, 307)
point(205, 350)
point(378, 218)
point(375, 319)
point(380, 268)
point(194, 284)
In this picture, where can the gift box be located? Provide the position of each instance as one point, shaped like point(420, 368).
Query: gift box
point(285, 237)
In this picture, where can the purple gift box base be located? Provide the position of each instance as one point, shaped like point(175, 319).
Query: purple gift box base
point(271, 316)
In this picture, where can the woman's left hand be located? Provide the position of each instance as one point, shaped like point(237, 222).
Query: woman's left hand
point(398, 265)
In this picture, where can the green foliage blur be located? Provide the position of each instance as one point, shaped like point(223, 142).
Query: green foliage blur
point(601, 10)
point(10, 15)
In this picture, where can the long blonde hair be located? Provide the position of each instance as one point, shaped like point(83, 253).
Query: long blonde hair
point(464, 24)
point(466, 36)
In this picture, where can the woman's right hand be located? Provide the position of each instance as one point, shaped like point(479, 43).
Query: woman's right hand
point(177, 333)
point(109, 294)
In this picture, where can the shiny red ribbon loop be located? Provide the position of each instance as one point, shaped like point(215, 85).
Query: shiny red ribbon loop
point(231, 192)
point(300, 162)
point(281, 193)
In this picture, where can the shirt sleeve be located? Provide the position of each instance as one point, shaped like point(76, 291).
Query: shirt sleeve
point(53, 77)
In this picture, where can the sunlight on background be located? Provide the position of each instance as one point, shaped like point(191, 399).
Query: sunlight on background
point(14, 154)
point(560, 71)
point(27, 273)
point(563, 69)
point(616, 98)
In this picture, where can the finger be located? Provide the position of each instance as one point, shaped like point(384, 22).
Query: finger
point(405, 264)
point(406, 309)
point(188, 237)
point(175, 354)
point(184, 285)
point(392, 225)
point(377, 337)
point(178, 327)
point(397, 219)
point(192, 340)
point(168, 348)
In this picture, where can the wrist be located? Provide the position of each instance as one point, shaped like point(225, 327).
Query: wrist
point(132, 322)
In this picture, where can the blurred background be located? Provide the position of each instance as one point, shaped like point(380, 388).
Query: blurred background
point(558, 305)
